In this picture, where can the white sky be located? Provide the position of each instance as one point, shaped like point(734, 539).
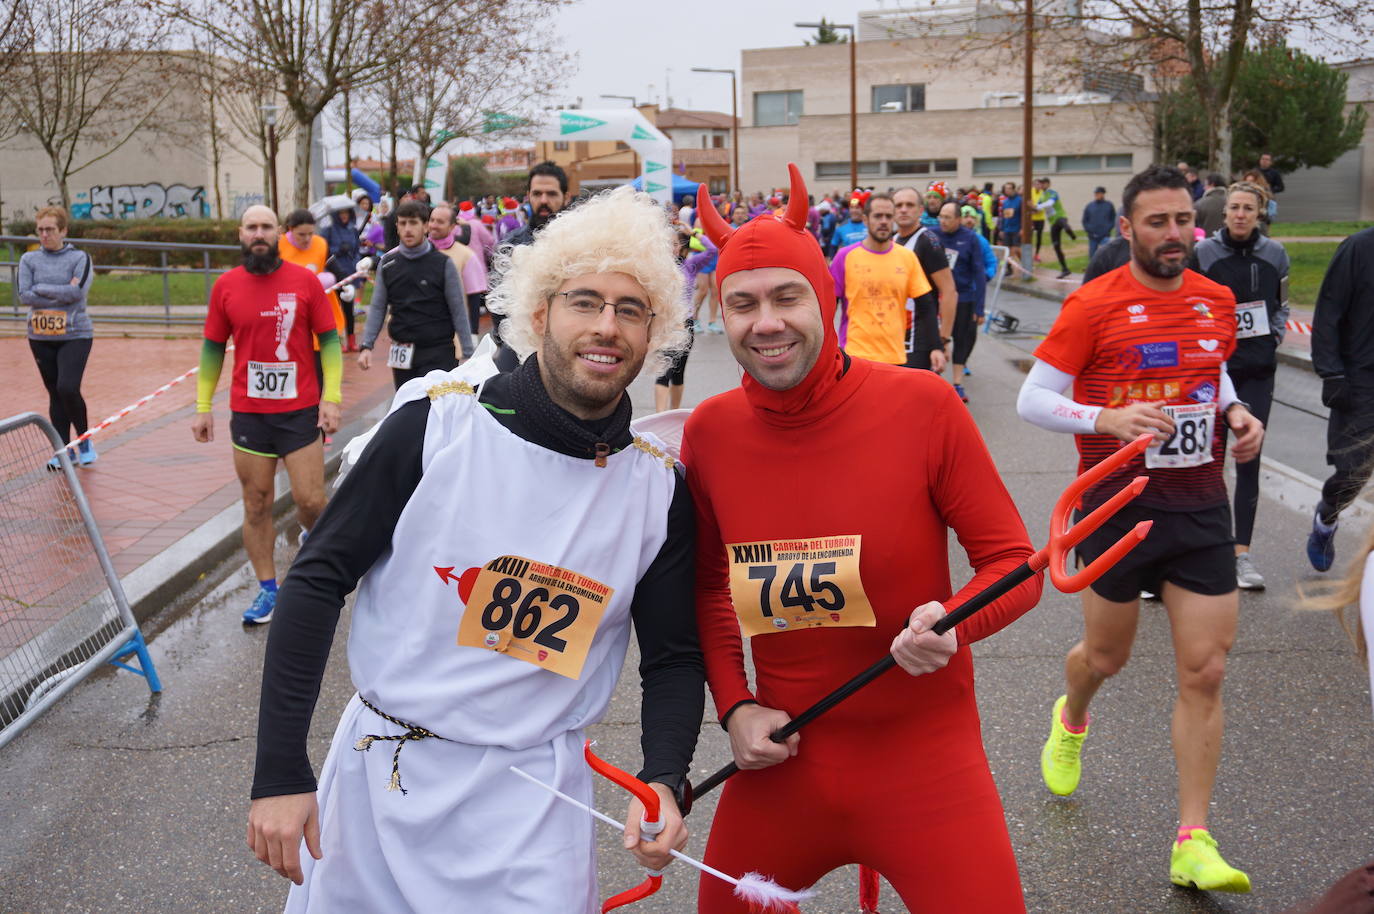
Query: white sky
point(619, 56)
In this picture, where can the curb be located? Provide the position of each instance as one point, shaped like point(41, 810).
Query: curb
point(154, 585)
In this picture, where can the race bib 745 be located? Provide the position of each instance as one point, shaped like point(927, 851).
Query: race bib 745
point(779, 585)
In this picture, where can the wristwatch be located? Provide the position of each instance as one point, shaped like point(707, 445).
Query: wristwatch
point(1237, 403)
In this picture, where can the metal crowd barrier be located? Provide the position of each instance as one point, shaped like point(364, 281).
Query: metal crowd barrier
point(63, 612)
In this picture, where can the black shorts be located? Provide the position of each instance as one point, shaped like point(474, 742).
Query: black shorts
point(677, 369)
point(1193, 549)
point(275, 434)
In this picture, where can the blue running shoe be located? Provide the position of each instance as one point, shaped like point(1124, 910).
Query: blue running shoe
point(959, 389)
point(86, 454)
point(1321, 545)
point(261, 610)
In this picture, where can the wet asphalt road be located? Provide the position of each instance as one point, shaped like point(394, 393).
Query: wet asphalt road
point(117, 802)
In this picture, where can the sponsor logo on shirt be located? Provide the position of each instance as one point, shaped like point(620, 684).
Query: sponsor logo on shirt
point(1143, 356)
point(1138, 315)
point(1206, 392)
point(1210, 351)
point(1144, 391)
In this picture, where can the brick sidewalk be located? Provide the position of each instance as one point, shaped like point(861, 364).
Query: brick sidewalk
point(153, 484)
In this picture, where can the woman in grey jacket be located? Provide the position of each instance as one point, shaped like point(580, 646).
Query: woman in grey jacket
point(53, 282)
point(1254, 267)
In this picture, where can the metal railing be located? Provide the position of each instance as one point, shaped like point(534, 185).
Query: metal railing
point(63, 612)
point(15, 245)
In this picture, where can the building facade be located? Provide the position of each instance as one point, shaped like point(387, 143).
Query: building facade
point(166, 169)
point(926, 114)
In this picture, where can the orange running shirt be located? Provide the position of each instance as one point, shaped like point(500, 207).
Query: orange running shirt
point(313, 259)
point(875, 288)
point(1125, 343)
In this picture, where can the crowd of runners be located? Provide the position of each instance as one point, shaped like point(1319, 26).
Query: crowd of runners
point(495, 602)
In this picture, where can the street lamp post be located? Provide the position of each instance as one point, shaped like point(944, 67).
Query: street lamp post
point(853, 96)
point(734, 124)
point(269, 113)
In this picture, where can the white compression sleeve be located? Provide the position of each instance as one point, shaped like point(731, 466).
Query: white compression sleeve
point(1042, 402)
point(1227, 395)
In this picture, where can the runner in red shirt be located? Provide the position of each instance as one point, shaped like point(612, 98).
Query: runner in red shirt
point(1144, 348)
point(277, 410)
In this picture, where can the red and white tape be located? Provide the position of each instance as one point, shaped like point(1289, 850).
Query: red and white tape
point(111, 420)
point(1303, 327)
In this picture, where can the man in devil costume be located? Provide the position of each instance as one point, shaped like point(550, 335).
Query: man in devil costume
point(825, 573)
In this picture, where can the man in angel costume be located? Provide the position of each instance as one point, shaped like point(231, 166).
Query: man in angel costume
point(492, 622)
point(826, 487)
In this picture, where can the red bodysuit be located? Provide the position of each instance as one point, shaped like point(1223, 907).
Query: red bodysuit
point(822, 508)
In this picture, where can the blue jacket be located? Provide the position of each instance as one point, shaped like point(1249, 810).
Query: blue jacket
point(1099, 218)
point(847, 233)
point(969, 269)
point(989, 258)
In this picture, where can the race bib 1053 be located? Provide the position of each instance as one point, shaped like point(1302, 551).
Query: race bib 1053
point(779, 585)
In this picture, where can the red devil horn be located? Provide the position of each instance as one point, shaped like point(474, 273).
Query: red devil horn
point(708, 217)
point(797, 202)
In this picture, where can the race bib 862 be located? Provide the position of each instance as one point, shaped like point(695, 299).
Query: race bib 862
point(535, 612)
point(779, 585)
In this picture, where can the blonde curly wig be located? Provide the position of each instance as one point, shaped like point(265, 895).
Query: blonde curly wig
point(621, 231)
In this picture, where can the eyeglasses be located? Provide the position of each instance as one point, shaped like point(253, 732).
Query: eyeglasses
point(627, 313)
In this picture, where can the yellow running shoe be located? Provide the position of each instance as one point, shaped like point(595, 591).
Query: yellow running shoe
point(1196, 864)
point(1059, 759)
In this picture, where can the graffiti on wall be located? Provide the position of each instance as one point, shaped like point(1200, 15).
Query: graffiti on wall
point(141, 201)
point(242, 201)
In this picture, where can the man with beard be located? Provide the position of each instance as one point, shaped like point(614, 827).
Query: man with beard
point(1145, 348)
point(825, 572)
point(874, 279)
point(421, 288)
point(547, 193)
point(930, 317)
point(512, 667)
point(270, 308)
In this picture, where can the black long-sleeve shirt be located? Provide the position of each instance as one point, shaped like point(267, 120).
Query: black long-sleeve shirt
point(1343, 322)
point(354, 531)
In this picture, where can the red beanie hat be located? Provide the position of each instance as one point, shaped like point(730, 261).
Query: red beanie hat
point(465, 206)
point(780, 241)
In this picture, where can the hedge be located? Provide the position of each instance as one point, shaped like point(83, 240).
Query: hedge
point(178, 231)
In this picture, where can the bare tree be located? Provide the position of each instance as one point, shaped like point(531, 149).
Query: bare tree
point(509, 66)
point(317, 47)
point(237, 96)
point(89, 75)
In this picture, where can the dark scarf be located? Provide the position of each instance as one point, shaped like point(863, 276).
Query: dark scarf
point(595, 438)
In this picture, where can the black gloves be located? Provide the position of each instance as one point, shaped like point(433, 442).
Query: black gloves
point(1335, 392)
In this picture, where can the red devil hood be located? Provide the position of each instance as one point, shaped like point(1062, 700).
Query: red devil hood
point(781, 241)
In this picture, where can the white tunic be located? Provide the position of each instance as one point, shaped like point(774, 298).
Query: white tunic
point(468, 835)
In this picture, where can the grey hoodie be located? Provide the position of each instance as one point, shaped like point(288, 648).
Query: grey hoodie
point(45, 284)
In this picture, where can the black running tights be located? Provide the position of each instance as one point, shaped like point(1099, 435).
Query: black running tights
point(1259, 394)
point(62, 363)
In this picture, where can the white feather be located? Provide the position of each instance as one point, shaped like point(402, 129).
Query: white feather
point(767, 895)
